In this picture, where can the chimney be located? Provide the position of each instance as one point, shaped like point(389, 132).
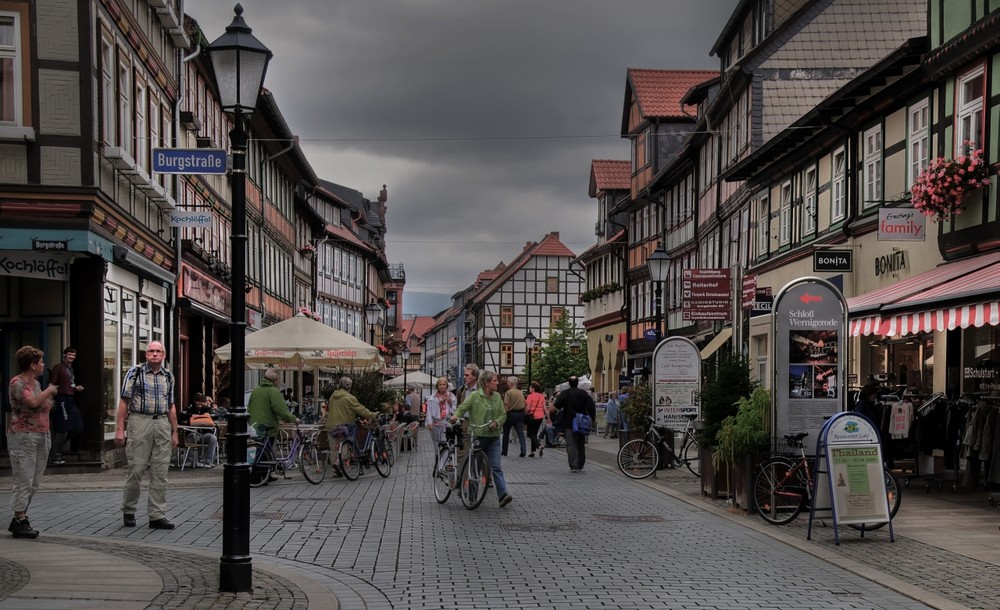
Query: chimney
point(555, 234)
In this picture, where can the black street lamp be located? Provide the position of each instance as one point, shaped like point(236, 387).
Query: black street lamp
point(574, 347)
point(529, 344)
point(658, 264)
point(239, 61)
point(374, 314)
point(406, 359)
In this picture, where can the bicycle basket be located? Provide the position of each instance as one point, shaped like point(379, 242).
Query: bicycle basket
point(781, 446)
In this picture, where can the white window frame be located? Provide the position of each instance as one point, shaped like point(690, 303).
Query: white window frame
point(969, 112)
point(838, 185)
point(918, 127)
point(141, 126)
point(763, 225)
point(14, 54)
point(809, 209)
point(872, 142)
point(785, 215)
point(125, 106)
point(109, 97)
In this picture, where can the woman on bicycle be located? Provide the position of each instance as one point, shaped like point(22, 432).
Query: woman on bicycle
point(485, 408)
point(439, 408)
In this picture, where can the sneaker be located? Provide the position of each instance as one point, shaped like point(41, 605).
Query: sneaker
point(532, 454)
point(23, 529)
point(505, 500)
point(13, 524)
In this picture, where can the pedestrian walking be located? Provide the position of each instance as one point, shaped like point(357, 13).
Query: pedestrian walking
point(470, 384)
point(28, 437)
point(534, 415)
point(571, 401)
point(485, 408)
point(147, 426)
point(611, 416)
point(67, 423)
point(440, 406)
point(514, 405)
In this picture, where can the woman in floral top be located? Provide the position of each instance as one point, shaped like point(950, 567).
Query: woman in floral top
point(28, 438)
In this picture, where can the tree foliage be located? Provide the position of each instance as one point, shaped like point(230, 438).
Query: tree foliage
point(367, 388)
point(555, 360)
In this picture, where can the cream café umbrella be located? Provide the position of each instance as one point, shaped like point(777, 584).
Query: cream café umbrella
point(416, 378)
point(301, 342)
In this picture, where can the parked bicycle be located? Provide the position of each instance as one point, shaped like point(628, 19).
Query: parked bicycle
point(302, 452)
point(639, 458)
point(374, 451)
point(783, 486)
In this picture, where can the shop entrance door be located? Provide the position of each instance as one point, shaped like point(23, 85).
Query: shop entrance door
point(13, 336)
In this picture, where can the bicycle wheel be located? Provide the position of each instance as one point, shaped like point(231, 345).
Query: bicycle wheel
point(779, 494)
point(894, 493)
point(444, 475)
point(312, 464)
point(638, 458)
point(380, 457)
point(390, 450)
point(475, 476)
point(350, 462)
point(692, 457)
point(259, 471)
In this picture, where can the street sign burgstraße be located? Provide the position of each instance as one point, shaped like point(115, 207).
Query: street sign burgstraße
point(706, 294)
point(836, 261)
point(189, 161)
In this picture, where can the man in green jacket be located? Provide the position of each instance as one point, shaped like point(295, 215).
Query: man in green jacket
point(344, 409)
point(486, 417)
point(267, 406)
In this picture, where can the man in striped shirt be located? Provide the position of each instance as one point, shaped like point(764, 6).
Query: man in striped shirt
point(147, 409)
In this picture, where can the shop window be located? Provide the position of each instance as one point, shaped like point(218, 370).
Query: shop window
point(981, 360)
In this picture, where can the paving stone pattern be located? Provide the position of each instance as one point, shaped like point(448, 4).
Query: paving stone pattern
point(13, 576)
point(386, 543)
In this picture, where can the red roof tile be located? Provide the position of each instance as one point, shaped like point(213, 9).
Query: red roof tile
point(606, 175)
point(659, 92)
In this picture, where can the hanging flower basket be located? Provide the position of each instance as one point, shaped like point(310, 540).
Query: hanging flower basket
point(307, 250)
point(310, 314)
point(940, 189)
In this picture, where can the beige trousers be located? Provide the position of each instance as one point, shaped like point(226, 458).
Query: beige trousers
point(148, 445)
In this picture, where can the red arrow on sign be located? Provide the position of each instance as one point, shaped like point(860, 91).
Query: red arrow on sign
point(810, 298)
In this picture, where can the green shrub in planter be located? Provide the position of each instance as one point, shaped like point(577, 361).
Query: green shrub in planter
point(746, 433)
point(721, 395)
point(638, 407)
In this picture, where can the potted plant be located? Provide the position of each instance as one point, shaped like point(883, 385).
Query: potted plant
point(741, 441)
point(940, 189)
point(719, 400)
point(307, 250)
point(636, 410)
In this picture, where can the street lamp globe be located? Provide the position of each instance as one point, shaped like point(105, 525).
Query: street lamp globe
point(374, 311)
point(529, 341)
point(574, 347)
point(239, 61)
point(658, 264)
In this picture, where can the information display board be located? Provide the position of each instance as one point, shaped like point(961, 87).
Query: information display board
point(676, 382)
point(809, 335)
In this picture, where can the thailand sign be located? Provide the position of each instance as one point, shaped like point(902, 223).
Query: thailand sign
point(189, 161)
point(676, 382)
point(706, 294)
point(808, 324)
point(855, 476)
point(901, 224)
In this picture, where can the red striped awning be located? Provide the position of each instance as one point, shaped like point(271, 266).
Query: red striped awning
point(948, 318)
point(918, 304)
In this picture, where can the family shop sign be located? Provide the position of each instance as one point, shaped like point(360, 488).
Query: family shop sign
point(901, 224)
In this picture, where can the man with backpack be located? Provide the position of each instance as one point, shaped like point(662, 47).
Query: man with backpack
point(578, 416)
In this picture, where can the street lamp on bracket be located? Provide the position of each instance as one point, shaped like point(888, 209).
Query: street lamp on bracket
point(658, 264)
point(406, 358)
point(239, 61)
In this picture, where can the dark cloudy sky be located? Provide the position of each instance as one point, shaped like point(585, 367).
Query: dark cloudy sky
point(481, 116)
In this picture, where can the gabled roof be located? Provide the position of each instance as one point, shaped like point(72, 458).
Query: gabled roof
point(609, 175)
point(549, 246)
point(659, 93)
